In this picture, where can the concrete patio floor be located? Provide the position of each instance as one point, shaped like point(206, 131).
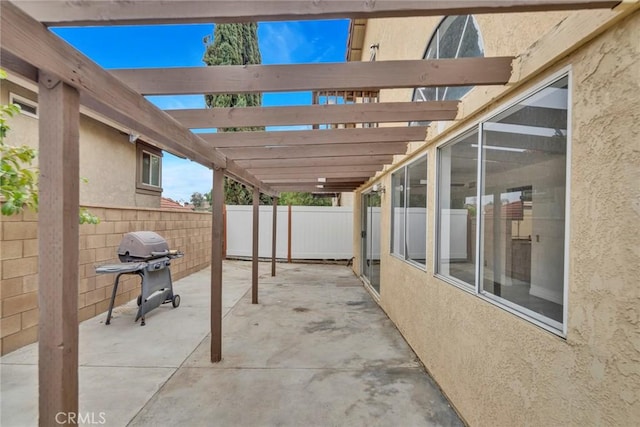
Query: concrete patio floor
point(316, 351)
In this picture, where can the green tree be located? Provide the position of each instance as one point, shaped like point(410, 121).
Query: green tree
point(237, 44)
point(197, 199)
point(18, 178)
point(234, 44)
point(303, 199)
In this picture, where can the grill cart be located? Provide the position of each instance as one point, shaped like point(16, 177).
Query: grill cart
point(146, 254)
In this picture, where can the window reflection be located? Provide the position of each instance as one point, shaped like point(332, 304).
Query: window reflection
point(457, 209)
point(523, 202)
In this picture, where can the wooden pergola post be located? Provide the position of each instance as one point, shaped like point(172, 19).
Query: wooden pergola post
point(274, 236)
point(254, 255)
point(58, 250)
point(217, 230)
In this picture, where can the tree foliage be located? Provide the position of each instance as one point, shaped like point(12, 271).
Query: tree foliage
point(197, 199)
point(238, 194)
point(18, 178)
point(235, 44)
point(303, 199)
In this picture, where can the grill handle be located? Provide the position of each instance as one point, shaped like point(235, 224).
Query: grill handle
point(156, 254)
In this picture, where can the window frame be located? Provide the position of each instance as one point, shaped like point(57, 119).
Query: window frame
point(464, 133)
point(404, 257)
point(141, 186)
point(546, 323)
point(434, 41)
point(17, 99)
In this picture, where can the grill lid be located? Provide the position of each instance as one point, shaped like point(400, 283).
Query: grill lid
point(142, 245)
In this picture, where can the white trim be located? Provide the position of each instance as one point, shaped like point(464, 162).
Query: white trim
point(456, 282)
point(567, 201)
point(479, 219)
point(519, 130)
point(459, 136)
point(524, 313)
point(17, 99)
point(404, 256)
point(151, 155)
point(500, 108)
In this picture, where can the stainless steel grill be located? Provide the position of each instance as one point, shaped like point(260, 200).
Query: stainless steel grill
point(146, 254)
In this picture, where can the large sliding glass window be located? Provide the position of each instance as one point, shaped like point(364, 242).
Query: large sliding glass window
point(457, 207)
point(409, 212)
point(506, 239)
point(523, 202)
point(397, 213)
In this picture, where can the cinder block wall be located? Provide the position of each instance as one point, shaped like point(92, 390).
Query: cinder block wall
point(187, 231)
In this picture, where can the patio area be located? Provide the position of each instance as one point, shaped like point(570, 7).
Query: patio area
point(316, 351)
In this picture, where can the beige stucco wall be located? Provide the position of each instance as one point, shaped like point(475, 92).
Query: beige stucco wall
point(501, 370)
point(107, 159)
point(407, 38)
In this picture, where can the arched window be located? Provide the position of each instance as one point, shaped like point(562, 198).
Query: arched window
point(455, 37)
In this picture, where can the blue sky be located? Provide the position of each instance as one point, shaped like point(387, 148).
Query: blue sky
point(182, 46)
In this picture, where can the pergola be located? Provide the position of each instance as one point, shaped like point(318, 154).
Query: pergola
point(318, 160)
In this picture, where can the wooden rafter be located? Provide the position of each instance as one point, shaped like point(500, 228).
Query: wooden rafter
point(60, 12)
point(309, 151)
point(324, 174)
point(313, 187)
point(25, 38)
point(317, 189)
point(294, 170)
point(321, 76)
point(324, 161)
point(314, 137)
point(383, 112)
point(316, 180)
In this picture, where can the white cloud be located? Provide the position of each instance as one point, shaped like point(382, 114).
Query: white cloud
point(177, 102)
point(280, 42)
point(181, 178)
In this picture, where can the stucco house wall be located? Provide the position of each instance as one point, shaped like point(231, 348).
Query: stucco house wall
point(498, 368)
point(107, 158)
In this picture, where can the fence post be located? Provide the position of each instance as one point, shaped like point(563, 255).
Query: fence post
point(289, 237)
point(224, 230)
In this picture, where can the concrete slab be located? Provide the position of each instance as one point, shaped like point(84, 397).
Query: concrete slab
point(298, 397)
point(317, 350)
point(116, 395)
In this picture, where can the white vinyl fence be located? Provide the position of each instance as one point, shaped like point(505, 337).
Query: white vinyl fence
point(317, 232)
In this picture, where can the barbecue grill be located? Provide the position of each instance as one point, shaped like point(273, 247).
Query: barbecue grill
point(146, 254)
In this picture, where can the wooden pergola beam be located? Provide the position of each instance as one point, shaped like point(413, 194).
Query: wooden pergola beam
point(245, 177)
point(377, 161)
point(337, 175)
point(217, 236)
point(29, 40)
point(321, 76)
point(364, 149)
point(35, 46)
point(315, 180)
point(314, 137)
point(62, 13)
point(59, 133)
point(318, 189)
point(294, 170)
point(341, 184)
point(377, 112)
